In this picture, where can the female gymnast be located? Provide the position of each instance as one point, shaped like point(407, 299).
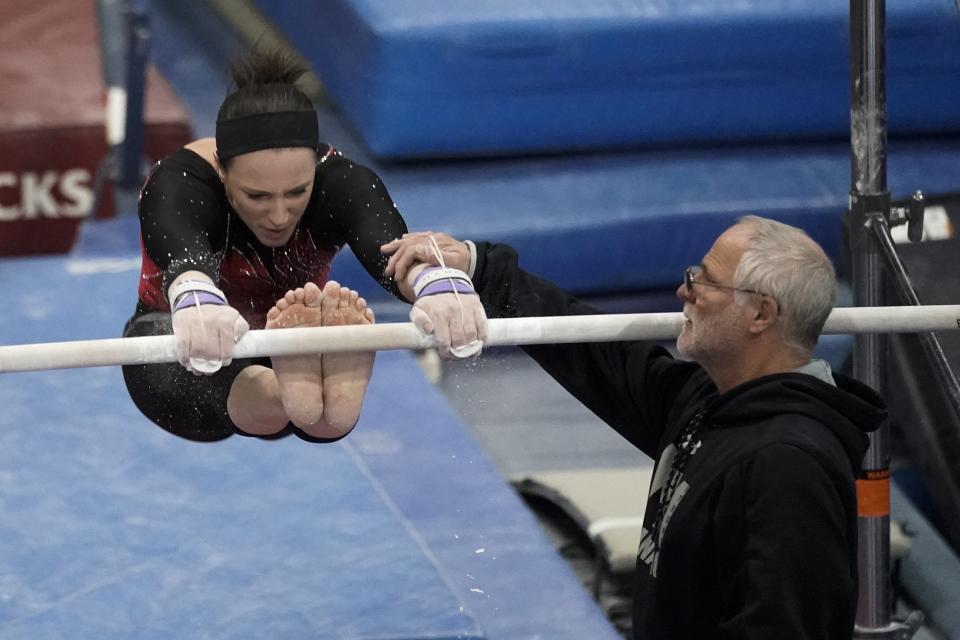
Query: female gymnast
point(239, 232)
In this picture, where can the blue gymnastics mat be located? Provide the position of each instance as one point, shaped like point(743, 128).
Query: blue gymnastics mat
point(596, 224)
point(113, 529)
point(442, 78)
point(613, 224)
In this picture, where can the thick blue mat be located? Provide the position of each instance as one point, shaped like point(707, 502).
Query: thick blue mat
point(606, 224)
point(111, 528)
point(595, 224)
point(463, 78)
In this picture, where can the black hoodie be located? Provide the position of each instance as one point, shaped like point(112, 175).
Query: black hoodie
point(750, 529)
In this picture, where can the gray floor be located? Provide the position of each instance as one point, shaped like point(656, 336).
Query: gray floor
point(525, 421)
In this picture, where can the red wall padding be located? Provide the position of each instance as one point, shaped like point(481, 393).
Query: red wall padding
point(52, 135)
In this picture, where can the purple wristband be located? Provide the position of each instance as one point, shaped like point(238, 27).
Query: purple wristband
point(446, 286)
point(193, 298)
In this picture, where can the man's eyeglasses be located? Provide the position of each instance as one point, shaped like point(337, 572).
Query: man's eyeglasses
point(692, 272)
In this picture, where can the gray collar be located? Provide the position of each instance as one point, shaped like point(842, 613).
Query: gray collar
point(819, 369)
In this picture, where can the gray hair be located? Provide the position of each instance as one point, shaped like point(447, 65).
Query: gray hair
point(787, 264)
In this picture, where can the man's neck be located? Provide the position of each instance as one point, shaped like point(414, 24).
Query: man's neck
point(819, 369)
point(729, 374)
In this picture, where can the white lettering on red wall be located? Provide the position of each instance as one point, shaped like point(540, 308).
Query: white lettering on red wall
point(49, 194)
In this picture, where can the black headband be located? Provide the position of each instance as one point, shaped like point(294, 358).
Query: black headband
point(266, 131)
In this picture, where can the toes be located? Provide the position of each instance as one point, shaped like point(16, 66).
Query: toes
point(312, 295)
point(294, 296)
point(368, 314)
point(273, 314)
point(331, 288)
point(342, 305)
point(330, 296)
point(346, 296)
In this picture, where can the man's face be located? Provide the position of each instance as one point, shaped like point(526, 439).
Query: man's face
point(715, 326)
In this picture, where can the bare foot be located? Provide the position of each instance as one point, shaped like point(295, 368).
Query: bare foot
point(300, 377)
point(345, 375)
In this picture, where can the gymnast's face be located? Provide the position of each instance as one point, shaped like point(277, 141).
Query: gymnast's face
point(715, 325)
point(269, 189)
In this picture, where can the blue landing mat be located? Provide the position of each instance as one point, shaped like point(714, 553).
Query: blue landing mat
point(459, 78)
point(113, 529)
point(602, 224)
point(595, 224)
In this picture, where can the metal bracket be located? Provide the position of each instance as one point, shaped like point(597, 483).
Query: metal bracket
point(911, 215)
point(896, 630)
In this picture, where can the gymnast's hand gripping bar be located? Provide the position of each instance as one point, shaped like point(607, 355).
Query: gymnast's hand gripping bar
point(500, 332)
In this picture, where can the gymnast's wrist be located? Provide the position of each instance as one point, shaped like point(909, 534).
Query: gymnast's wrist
point(197, 298)
point(192, 293)
point(405, 285)
point(435, 280)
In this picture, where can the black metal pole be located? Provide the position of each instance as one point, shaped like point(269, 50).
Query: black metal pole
point(869, 205)
point(113, 42)
point(138, 48)
point(125, 46)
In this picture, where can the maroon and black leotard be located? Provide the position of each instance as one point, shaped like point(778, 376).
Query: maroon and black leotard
point(186, 224)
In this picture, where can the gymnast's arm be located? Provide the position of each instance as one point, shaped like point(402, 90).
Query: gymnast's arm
point(179, 214)
point(357, 210)
point(366, 218)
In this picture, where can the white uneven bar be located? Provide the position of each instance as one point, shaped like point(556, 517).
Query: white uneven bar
point(500, 332)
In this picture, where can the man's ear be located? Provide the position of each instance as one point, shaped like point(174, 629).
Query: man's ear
point(767, 313)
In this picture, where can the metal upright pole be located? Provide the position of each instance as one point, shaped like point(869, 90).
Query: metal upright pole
point(125, 46)
point(130, 174)
point(869, 206)
point(871, 253)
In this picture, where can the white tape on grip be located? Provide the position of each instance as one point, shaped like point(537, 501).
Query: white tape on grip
point(440, 274)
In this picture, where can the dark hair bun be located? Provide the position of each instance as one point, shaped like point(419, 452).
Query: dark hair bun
point(264, 80)
point(267, 66)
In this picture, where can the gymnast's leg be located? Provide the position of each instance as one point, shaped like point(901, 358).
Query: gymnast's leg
point(345, 375)
point(320, 395)
point(190, 406)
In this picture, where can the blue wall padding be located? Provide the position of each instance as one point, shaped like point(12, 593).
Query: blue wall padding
point(428, 78)
point(602, 224)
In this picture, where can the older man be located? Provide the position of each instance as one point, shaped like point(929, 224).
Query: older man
point(750, 529)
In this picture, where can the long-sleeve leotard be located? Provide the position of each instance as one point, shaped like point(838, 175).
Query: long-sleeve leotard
point(186, 224)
